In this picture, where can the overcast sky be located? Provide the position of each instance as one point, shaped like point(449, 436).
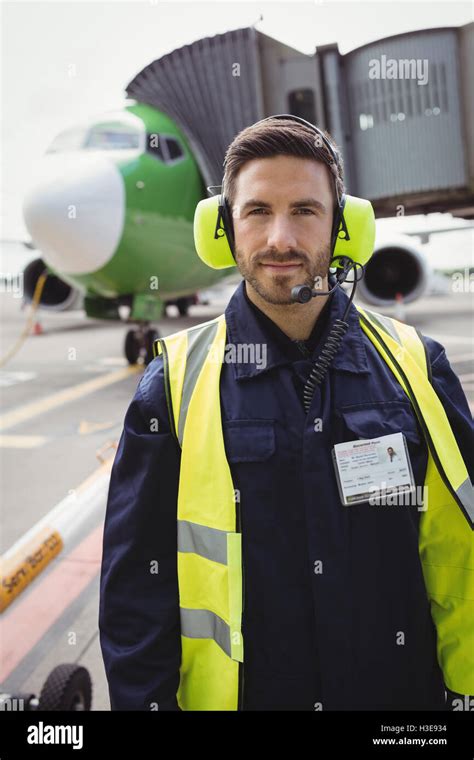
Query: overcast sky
point(109, 42)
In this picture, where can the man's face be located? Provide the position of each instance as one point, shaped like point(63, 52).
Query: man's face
point(282, 215)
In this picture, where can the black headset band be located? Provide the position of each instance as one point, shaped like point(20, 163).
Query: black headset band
point(226, 212)
point(315, 129)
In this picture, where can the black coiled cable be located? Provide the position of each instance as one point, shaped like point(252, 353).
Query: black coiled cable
point(322, 364)
point(334, 339)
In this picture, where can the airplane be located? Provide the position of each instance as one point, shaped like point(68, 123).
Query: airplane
point(111, 211)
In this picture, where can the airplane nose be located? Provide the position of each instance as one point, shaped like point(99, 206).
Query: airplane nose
point(75, 211)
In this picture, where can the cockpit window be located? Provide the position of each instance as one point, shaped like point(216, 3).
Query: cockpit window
point(70, 139)
point(112, 136)
point(166, 148)
point(154, 145)
point(174, 148)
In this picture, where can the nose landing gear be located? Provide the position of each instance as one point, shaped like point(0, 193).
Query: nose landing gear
point(139, 344)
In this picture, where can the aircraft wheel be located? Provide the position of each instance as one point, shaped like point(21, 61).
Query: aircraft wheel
point(68, 687)
point(150, 337)
point(183, 306)
point(132, 346)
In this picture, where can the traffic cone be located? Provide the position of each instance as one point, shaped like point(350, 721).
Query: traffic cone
point(37, 328)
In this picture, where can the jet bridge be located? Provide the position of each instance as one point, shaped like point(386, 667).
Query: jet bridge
point(401, 108)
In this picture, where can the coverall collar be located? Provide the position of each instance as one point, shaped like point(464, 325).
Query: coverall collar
point(243, 327)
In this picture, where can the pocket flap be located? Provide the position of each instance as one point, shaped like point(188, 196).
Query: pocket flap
point(249, 440)
point(375, 420)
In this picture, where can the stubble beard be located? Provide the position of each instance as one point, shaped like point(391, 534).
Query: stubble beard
point(279, 291)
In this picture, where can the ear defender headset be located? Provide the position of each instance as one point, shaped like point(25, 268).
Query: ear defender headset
point(352, 245)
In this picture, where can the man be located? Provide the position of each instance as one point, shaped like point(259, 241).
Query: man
point(391, 452)
point(334, 613)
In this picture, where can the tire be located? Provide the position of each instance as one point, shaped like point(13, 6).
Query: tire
point(68, 687)
point(183, 306)
point(132, 347)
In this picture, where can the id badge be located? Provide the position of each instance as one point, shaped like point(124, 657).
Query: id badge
point(372, 468)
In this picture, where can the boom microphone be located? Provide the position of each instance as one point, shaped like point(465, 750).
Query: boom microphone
point(304, 294)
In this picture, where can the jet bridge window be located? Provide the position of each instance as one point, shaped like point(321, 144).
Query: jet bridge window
point(112, 137)
point(301, 103)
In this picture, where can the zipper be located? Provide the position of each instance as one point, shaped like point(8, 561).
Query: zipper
point(303, 348)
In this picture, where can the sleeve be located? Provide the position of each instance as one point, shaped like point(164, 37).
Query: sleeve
point(449, 390)
point(139, 623)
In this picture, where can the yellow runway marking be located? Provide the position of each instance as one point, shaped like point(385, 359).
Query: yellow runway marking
point(21, 441)
point(113, 361)
point(27, 411)
point(86, 427)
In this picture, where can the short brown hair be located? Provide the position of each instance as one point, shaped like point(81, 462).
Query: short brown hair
point(275, 137)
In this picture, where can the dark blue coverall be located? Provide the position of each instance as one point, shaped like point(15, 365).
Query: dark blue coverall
point(312, 640)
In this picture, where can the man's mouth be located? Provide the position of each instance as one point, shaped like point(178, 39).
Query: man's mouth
point(282, 266)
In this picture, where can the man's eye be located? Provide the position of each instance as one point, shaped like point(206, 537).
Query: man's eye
point(305, 210)
point(257, 210)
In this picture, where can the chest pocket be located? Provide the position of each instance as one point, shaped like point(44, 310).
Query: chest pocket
point(372, 420)
point(250, 449)
point(249, 440)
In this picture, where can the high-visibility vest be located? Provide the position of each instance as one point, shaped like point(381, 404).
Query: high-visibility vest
point(209, 517)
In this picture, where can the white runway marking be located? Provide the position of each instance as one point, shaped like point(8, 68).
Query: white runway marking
point(461, 358)
point(13, 378)
point(453, 339)
point(27, 411)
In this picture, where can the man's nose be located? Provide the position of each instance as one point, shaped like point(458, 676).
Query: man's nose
point(280, 234)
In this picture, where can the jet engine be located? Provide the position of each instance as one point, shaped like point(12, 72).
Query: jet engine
point(397, 266)
point(56, 295)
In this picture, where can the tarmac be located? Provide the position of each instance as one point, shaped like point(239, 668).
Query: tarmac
point(64, 397)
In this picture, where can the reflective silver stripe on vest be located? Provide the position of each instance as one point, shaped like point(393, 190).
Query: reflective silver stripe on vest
point(210, 543)
point(466, 495)
point(385, 323)
point(203, 624)
point(200, 340)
